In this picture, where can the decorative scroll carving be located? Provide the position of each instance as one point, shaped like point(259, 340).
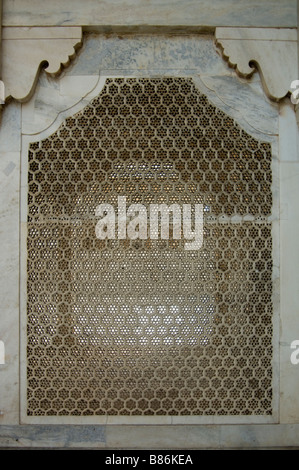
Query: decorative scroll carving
point(27, 50)
point(273, 52)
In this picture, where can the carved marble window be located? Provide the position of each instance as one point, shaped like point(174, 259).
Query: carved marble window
point(144, 327)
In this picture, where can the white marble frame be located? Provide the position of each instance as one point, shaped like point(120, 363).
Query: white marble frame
point(144, 420)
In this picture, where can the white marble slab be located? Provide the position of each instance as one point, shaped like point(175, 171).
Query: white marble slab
point(9, 285)
point(268, 13)
point(52, 98)
point(288, 133)
point(10, 128)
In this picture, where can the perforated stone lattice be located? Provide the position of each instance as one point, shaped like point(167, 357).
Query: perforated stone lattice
point(144, 327)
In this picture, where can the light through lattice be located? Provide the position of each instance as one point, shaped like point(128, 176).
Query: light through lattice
point(142, 327)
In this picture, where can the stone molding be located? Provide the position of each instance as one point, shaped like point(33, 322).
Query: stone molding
point(272, 52)
point(25, 51)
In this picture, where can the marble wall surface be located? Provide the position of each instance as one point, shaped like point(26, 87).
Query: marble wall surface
point(57, 98)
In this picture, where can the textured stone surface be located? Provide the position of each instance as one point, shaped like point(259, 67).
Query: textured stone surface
point(56, 99)
point(268, 13)
point(9, 262)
